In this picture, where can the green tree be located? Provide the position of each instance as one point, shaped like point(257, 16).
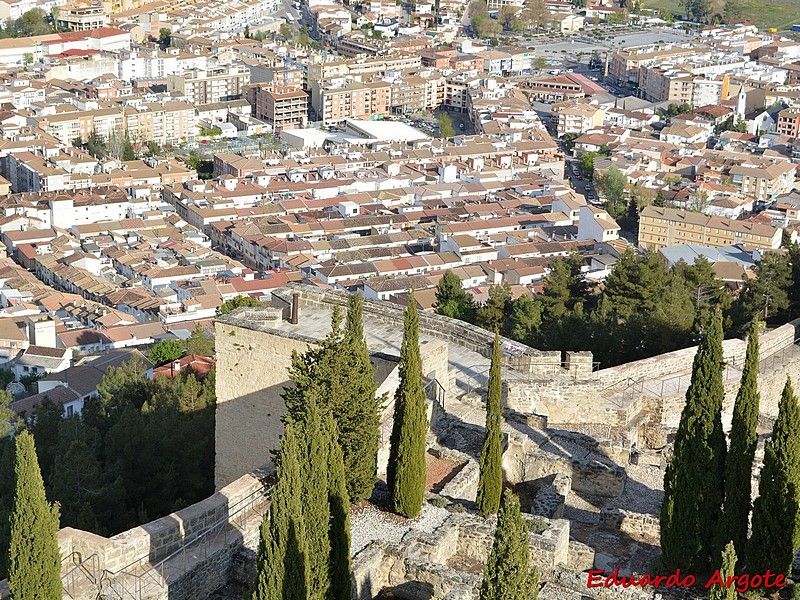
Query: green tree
point(34, 557)
point(32, 22)
point(406, 470)
point(490, 483)
point(358, 419)
point(96, 145)
point(569, 141)
point(452, 300)
point(200, 342)
point(315, 449)
point(694, 479)
point(491, 315)
point(727, 570)
point(340, 563)
point(774, 537)
point(6, 413)
point(587, 163)
point(446, 129)
point(507, 574)
point(164, 37)
point(743, 440)
point(768, 293)
point(338, 371)
point(612, 183)
point(481, 22)
point(281, 570)
point(525, 319)
point(165, 351)
point(238, 302)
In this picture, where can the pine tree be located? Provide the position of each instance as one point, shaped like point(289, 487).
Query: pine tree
point(694, 479)
point(315, 449)
point(727, 569)
point(739, 463)
point(490, 484)
point(340, 564)
point(491, 315)
point(507, 575)
point(406, 470)
point(281, 571)
point(776, 510)
point(358, 420)
point(452, 300)
point(34, 556)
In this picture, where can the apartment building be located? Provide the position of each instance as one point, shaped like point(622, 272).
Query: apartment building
point(579, 119)
point(76, 17)
point(666, 84)
point(625, 65)
point(210, 84)
point(72, 123)
point(353, 101)
point(661, 227)
point(167, 123)
point(282, 107)
point(789, 122)
point(763, 180)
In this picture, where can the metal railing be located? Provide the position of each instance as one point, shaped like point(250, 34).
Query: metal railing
point(435, 392)
point(135, 584)
point(84, 570)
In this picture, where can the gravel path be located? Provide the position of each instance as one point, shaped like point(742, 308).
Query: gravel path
point(368, 524)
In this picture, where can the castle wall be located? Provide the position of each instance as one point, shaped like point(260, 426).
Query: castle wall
point(251, 375)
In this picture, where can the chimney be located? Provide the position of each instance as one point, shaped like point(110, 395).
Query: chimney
point(176, 367)
point(295, 318)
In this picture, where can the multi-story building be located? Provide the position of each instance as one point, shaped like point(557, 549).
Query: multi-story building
point(661, 227)
point(167, 123)
point(625, 65)
point(666, 84)
point(579, 119)
point(283, 107)
point(353, 100)
point(789, 122)
point(211, 84)
point(764, 181)
point(78, 17)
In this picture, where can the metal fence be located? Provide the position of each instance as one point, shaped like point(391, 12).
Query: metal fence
point(83, 574)
point(139, 581)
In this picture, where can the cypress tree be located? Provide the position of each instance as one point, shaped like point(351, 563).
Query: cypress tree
point(694, 479)
point(281, 571)
point(340, 564)
point(406, 470)
point(34, 557)
point(727, 569)
point(490, 484)
point(339, 374)
point(507, 575)
point(739, 462)
point(775, 512)
point(316, 509)
point(358, 420)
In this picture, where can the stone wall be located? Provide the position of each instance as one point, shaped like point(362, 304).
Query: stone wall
point(251, 374)
point(133, 551)
point(427, 561)
point(638, 525)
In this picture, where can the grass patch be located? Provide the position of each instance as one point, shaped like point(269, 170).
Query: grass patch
point(781, 14)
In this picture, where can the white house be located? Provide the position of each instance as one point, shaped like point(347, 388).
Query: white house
point(596, 224)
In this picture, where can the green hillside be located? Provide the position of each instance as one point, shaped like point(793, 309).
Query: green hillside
point(781, 14)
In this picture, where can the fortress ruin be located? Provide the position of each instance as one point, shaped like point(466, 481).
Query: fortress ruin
point(585, 446)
